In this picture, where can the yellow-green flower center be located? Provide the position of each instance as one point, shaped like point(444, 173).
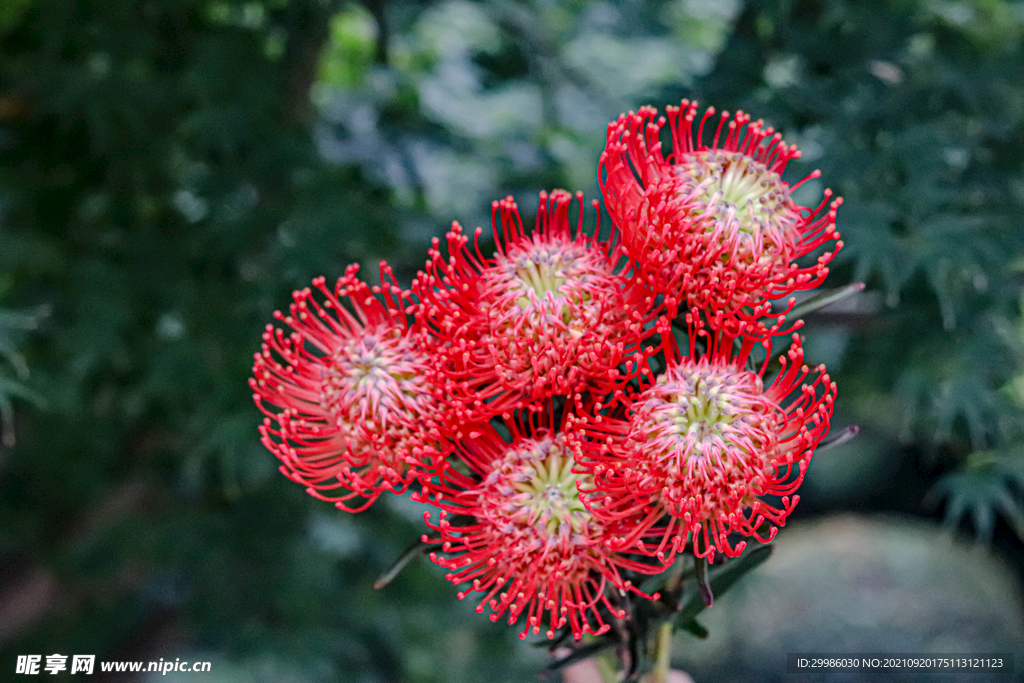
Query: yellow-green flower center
point(702, 413)
point(551, 278)
point(540, 278)
point(545, 267)
point(734, 184)
point(534, 486)
point(550, 490)
point(374, 378)
point(705, 412)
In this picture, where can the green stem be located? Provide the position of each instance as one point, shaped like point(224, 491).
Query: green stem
point(664, 660)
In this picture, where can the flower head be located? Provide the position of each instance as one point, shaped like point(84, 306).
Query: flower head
point(349, 394)
point(713, 227)
point(520, 534)
point(550, 313)
point(700, 447)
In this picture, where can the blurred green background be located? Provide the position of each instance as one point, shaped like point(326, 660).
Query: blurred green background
point(171, 170)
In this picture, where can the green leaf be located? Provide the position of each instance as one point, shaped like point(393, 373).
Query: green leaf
point(693, 627)
point(844, 435)
point(417, 549)
point(827, 298)
point(707, 594)
point(984, 494)
point(720, 580)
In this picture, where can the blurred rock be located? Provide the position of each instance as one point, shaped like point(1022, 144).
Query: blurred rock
point(851, 584)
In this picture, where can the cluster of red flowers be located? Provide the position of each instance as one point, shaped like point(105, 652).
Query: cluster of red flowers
point(579, 410)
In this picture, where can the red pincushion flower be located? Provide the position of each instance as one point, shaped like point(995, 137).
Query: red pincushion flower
point(701, 446)
point(551, 313)
point(712, 227)
point(370, 389)
point(519, 533)
point(354, 399)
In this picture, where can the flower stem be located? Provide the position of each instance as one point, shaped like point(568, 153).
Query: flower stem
point(664, 659)
point(607, 669)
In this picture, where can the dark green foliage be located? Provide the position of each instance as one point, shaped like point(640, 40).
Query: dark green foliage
point(14, 325)
point(170, 170)
point(162, 194)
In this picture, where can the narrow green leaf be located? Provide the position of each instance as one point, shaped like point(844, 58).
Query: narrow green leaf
point(819, 301)
point(843, 436)
point(18, 390)
point(417, 549)
point(693, 627)
point(707, 595)
point(720, 581)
